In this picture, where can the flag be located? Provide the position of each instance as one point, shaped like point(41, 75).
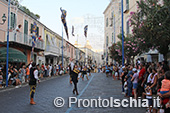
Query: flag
point(63, 19)
point(73, 30)
point(85, 30)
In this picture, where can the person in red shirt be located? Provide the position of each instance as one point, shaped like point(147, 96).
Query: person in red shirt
point(141, 79)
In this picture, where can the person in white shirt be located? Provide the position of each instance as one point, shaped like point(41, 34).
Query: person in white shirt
point(50, 70)
point(17, 30)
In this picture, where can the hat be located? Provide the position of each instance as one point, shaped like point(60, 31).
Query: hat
point(134, 69)
point(123, 67)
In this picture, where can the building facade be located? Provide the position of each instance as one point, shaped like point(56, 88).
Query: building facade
point(22, 40)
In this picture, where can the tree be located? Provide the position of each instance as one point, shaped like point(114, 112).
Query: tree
point(151, 23)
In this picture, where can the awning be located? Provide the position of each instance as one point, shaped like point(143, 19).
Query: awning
point(14, 55)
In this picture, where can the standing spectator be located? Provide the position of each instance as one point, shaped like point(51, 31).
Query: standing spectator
point(125, 87)
point(23, 74)
point(17, 29)
point(45, 68)
point(50, 70)
point(129, 82)
point(20, 75)
point(57, 69)
point(107, 70)
point(141, 79)
point(27, 73)
point(135, 82)
point(124, 73)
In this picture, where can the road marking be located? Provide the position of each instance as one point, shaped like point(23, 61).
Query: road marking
point(69, 109)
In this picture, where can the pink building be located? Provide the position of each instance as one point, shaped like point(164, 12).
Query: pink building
point(21, 40)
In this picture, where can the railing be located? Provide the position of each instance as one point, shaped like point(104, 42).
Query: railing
point(53, 49)
point(24, 39)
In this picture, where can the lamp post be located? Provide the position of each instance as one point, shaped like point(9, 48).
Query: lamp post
point(3, 19)
point(9, 1)
point(122, 37)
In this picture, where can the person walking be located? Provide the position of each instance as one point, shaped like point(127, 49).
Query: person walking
point(75, 74)
point(33, 81)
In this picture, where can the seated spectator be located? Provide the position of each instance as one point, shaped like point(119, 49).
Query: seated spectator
point(16, 81)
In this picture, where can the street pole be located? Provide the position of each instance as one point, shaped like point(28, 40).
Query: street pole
point(62, 48)
point(122, 38)
point(7, 44)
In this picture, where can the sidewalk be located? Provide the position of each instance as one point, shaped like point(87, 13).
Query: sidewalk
point(26, 84)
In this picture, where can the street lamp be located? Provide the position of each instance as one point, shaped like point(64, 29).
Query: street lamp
point(3, 19)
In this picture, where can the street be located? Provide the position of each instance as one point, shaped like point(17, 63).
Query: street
point(17, 99)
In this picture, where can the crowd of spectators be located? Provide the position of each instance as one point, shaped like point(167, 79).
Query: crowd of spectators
point(145, 80)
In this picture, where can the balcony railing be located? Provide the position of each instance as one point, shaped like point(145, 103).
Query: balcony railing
point(53, 49)
point(64, 52)
point(24, 39)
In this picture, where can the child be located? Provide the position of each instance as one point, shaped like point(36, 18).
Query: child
point(165, 89)
point(148, 93)
point(125, 87)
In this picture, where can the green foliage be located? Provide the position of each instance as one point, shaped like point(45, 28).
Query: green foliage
point(151, 23)
point(28, 12)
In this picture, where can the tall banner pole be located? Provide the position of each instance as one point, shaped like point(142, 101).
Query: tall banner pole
point(62, 48)
point(9, 2)
point(122, 38)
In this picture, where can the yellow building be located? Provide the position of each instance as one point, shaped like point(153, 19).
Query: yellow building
point(52, 46)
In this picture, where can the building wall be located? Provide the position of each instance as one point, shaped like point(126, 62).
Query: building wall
point(112, 26)
point(20, 19)
point(132, 8)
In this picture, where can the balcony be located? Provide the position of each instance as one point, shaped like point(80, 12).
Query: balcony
point(52, 50)
point(24, 39)
point(64, 53)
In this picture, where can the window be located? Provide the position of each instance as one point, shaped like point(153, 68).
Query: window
point(13, 21)
point(107, 22)
point(37, 31)
point(31, 27)
point(107, 41)
point(72, 52)
point(120, 7)
point(127, 4)
point(112, 37)
point(26, 27)
point(127, 27)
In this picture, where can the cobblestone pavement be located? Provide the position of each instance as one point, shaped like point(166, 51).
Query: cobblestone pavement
point(16, 100)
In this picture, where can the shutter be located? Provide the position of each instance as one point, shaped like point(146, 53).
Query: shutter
point(31, 27)
point(37, 31)
point(26, 27)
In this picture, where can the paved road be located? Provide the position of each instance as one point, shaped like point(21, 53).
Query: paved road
point(17, 100)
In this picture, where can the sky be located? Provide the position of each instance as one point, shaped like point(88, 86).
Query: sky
point(79, 14)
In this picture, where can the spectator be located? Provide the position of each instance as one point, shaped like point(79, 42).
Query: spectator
point(135, 82)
